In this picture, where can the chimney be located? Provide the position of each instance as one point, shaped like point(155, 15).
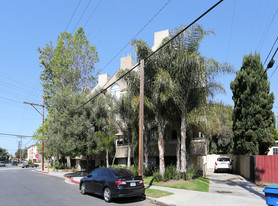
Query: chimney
point(127, 62)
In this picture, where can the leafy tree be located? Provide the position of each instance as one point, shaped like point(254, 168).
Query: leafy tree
point(86, 131)
point(4, 155)
point(128, 111)
point(275, 134)
point(218, 128)
point(253, 119)
point(23, 153)
point(69, 66)
point(157, 96)
point(107, 143)
point(128, 108)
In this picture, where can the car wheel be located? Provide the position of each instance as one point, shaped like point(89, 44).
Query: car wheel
point(83, 188)
point(143, 197)
point(27, 166)
point(107, 194)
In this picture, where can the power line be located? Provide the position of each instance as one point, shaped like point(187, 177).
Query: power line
point(92, 14)
point(13, 87)
point(8, 78)
point(162, 46)
point(267, 30)
point(15, 135)
point(270, 50)
point(114, 57)
point(73, 14)
point(82, 15)
point(270, 64)
point(29, 141)
point(10, 100)
point(231, 31)
point(273, 72)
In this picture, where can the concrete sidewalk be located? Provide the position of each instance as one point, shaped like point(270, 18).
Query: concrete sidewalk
point(190, 198)
point(195, 198)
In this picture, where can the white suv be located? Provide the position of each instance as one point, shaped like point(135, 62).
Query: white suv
point(223, 163)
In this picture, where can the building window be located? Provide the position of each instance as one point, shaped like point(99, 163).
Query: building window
point(174, 134)
point(275, 151)
point(115, 91)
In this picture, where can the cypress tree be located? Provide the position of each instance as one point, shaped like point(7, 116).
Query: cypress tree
point(253, 119)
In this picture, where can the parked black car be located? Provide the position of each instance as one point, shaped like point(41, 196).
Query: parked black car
point(112, 183)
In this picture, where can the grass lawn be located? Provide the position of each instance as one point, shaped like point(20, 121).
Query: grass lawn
point(198, 184)
point(156, 193)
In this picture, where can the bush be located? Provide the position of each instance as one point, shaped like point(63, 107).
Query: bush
point(58, 166)
point(171, 173)
point(157, 177)
point(134, 170)
point(150, 170)
point(192, 171)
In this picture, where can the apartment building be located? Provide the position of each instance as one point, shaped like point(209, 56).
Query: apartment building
point(32, 153)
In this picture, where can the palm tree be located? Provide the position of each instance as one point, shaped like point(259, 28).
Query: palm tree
point(193, 76)
point(128, 110)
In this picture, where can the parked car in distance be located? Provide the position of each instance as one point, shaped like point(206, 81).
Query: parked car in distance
point(223, 163)
point(29, 164)
point(112, 183)
point(2, 164)
point(14, 162)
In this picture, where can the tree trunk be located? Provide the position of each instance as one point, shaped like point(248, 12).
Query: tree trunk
point(161, 149)
point(68, 162)
point(146, 152)
point(178, 154)
point(183, 144)
point(128, 156)
point(107, 159)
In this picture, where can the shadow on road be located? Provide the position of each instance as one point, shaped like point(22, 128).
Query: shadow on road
point(240, 182)
point(125, 200)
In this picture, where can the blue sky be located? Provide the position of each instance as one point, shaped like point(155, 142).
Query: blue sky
point(240, 26)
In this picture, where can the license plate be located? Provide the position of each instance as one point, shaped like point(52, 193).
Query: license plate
point(132, 184)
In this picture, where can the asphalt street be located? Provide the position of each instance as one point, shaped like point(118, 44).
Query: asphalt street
point(22, 186)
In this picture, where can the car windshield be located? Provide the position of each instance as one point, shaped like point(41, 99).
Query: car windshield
point(1, 161)
point(119, 172)
point(223, 159)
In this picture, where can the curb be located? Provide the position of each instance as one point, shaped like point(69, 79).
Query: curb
point(74, 181)
point(71, 179)
point(158, 202)
point(41, 171)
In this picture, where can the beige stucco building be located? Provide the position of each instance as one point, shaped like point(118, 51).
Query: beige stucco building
point(32, 151)
point(198, 149)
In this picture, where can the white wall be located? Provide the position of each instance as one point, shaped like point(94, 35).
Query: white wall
point(271, 149)
point(211, 159)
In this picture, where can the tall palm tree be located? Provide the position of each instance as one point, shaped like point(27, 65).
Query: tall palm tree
point(193, 76)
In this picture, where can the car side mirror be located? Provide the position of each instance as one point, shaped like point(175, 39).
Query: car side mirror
point(89, 176)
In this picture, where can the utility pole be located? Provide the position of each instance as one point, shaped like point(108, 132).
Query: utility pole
point(20, 148)
point(141, 118)
point(40, 105)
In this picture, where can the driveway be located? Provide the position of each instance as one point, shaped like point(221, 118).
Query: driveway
point(235, 186)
